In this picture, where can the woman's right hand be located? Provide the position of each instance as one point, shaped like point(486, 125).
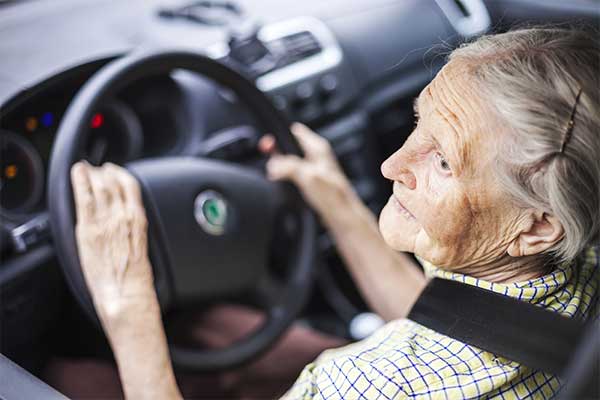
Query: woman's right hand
point(318, 175)
point(380, 272)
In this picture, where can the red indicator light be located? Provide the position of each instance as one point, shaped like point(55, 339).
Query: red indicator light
point(97, 121)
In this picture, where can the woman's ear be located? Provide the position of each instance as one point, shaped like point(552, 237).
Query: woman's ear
point(541, 232)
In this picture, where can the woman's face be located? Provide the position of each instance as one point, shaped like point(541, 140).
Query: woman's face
point(446, 205)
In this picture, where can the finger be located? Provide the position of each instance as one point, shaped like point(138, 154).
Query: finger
point(82, 192)
point(114, 188)
point(267, 144)
point(102, 195)
point(280, 167)
point(311, 143)
point(132, 196)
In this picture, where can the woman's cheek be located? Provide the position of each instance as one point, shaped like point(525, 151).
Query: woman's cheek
point(446, 216)
point(434, 180)
point(436, 193)
point(437, 184)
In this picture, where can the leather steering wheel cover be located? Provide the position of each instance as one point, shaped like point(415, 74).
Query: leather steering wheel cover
point(66, 149)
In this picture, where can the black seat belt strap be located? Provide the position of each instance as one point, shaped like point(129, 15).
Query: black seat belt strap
point(502, 325)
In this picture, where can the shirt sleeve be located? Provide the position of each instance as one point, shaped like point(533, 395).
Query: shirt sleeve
point(304, 387)
point(346, 373)
point(343, 378)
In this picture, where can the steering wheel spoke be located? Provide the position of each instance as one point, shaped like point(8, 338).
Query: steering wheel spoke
point(268, 292)
point(230, 143)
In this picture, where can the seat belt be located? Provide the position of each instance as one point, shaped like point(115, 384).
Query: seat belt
point(530, 335)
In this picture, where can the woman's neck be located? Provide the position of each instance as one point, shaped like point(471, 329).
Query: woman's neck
point(509, 269)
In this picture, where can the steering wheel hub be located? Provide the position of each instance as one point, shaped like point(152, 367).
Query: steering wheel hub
point(224, 253)
point(211, 212)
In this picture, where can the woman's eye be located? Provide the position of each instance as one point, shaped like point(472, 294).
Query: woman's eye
point(443, 163)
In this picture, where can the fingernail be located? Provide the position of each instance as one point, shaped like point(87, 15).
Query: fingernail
point(266, 144)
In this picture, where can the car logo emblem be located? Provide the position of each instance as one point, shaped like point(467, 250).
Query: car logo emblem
point(210, 210)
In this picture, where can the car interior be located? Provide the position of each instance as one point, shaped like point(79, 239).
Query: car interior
point(145, 83)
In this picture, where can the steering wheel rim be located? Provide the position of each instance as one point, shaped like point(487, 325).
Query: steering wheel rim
point(67, 149)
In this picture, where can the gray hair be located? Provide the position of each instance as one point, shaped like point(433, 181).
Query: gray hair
point(532, 77)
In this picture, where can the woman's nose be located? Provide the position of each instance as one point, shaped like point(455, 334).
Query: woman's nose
point(395, 168)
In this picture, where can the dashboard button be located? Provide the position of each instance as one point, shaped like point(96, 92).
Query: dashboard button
point(304, 92)
point(328, 84)
point(280, 102)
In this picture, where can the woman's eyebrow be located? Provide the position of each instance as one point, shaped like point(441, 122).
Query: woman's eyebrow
point(439, 146)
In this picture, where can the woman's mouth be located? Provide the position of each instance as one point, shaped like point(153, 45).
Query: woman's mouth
point(401, 209)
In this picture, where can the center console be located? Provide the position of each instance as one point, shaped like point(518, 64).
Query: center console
point(301, 66)
point(297, 62)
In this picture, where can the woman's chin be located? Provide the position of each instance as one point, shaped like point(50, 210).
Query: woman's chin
point(397, 231)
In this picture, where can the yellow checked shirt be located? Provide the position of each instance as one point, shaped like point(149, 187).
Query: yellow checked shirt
point(406, 360)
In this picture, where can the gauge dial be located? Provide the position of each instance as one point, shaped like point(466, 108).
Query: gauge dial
point(21, 174)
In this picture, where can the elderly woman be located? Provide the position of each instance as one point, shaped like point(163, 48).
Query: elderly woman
point(498, 186)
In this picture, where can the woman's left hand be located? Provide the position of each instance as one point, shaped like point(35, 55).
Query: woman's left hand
point(111, 235)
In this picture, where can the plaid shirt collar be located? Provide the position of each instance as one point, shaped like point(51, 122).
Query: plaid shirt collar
point(550, 291)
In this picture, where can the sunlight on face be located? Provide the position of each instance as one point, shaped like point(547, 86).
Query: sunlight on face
point(446, 205)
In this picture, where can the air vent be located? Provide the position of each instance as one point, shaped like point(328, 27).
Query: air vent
point(302, 46)
point(295, 47)
point(468, 17)
point(462, 8)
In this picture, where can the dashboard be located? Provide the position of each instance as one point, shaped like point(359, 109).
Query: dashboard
point(347, 68)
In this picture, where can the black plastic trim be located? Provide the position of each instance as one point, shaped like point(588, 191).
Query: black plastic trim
point(22, 264)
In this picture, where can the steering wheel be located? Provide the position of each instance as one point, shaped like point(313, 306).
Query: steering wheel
point(210, 222)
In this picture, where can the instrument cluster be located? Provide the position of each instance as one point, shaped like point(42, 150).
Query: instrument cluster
point(120, 130)
point(26, 140)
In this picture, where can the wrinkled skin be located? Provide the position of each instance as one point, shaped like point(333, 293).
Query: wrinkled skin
point(111, 236)
point(318, 175)
point(445, 195)
point(112, 242)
